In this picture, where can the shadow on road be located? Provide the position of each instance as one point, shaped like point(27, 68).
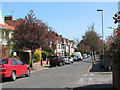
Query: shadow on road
point(93, 87)
point(7, 79)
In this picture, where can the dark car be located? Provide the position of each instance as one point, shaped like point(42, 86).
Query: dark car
point(56, 60)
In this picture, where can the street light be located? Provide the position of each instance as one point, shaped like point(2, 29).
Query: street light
point(101, 10)
point(111, 27)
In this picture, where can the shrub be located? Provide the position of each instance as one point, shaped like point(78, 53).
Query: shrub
point(37, 55)
point(115, 50)
point(67, 54)
point(44, 55)
point(76, 50)
point(50, 52)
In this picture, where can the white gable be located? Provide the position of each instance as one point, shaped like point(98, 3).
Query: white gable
point(1, 19)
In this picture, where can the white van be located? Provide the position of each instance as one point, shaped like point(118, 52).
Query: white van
point(78, 56)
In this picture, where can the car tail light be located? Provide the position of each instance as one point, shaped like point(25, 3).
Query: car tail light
point(58, 59)
point(3, 68)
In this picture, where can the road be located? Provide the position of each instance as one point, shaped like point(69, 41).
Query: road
point(58, 77)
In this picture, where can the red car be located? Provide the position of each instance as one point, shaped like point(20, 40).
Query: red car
point(13, 67)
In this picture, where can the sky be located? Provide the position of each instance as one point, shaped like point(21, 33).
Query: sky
point(69, 19)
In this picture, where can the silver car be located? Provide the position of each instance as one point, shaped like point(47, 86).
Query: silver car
point(71, 59)
point(66, 60)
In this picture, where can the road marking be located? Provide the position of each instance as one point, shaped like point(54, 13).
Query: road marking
point(90, 78)
point(85, 74)
point(81, 79)
point(91, 74)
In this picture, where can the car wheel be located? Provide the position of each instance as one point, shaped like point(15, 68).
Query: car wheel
point(54, 65)
point(13, 76)
point(27, 73)
point(63, 64)
point(51, 65)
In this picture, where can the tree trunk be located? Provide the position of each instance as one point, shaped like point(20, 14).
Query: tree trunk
point(41, 61)
point(92, 58)
point(31, 65)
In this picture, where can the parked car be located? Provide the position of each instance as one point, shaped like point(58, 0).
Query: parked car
point(78, 56)
point(13, 67)
point(66, 60)
point(88, 55)
point(56, 60)
point(85, 56)
point(71, 59)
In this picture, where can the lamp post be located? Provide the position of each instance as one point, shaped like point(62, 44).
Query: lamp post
point(101, 10)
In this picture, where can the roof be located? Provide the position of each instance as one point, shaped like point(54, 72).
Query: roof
point(13, 23)
point(70, 40)
point(6, 26)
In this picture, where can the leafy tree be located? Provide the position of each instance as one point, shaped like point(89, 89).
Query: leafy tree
point(44, 55)
point(90, 41)
point(30, 33)
point(76, 50)
point(50, 52)
point(82, 50)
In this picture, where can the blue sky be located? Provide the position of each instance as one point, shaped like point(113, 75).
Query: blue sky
point(69, 19)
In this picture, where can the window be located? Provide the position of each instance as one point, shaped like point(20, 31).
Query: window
point(15, 62)
point(11, 62)
point(59, 47)
point(4, 61)
point(21, 63)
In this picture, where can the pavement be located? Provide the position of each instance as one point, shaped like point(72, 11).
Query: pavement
point(38, 67)
point(96, 77)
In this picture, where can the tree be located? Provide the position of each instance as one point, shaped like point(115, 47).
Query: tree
point(90, 41)
point(44, 55)
point(50, 52)
point(76, 50)
point(30, 33)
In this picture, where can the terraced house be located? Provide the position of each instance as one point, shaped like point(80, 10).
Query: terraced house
point(64, 46)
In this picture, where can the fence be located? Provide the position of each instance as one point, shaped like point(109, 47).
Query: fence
point(116, 76)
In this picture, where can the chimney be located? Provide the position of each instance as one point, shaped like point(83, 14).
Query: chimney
point(8, 17)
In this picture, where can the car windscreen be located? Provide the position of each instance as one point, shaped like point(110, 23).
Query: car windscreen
point(53, 58)
point(4, 61)
point(69, 57)
point(64, 57)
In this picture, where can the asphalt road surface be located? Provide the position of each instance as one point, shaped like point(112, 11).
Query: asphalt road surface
point(58, 77)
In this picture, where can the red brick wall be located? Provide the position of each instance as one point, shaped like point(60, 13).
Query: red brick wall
point(4, 52)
